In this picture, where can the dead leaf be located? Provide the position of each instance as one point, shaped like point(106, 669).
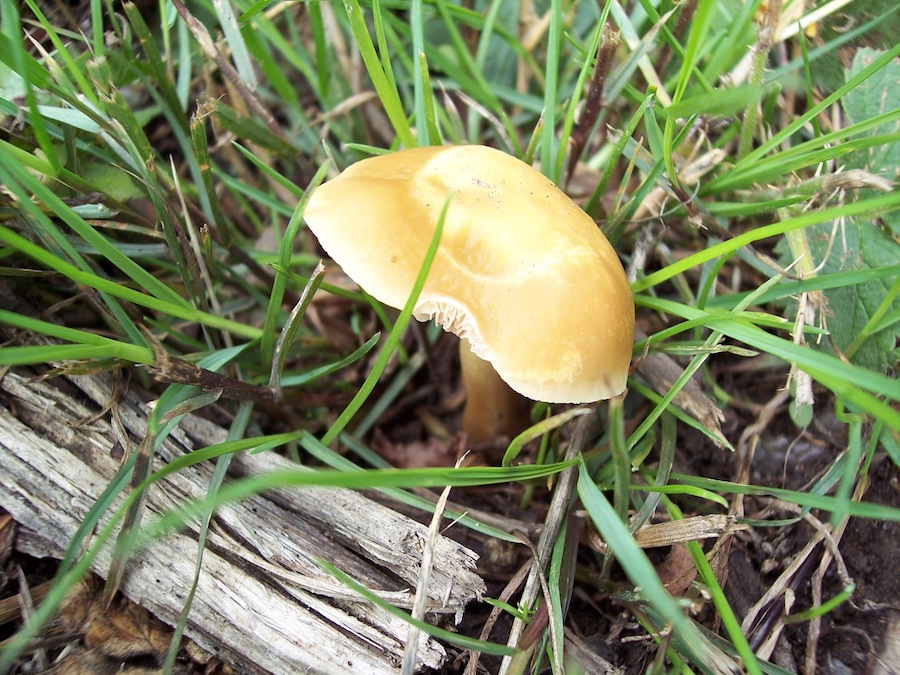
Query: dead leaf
point(417, 454)
point(113, 636)
point(125, 631)
point(81, 661)
point(677, 571)
point(122, 639)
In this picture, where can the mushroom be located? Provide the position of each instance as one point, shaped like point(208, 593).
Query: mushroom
point(522, 274)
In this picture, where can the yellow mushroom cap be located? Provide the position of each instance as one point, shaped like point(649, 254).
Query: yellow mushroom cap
point(521, 272)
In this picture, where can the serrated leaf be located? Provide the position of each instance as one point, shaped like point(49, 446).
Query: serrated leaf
point(877, 95)
point(857, 245)
point(865, 245)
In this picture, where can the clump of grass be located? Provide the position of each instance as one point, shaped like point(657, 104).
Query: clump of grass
point(147, 158)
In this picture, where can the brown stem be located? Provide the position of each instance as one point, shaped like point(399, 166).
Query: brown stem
point(492, 409)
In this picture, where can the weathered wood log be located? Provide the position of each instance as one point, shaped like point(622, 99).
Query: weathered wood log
point(262, 603)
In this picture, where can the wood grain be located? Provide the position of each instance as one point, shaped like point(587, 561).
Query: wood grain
point(262, 603)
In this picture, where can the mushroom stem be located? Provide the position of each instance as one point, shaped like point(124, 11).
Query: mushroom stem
point(493, 410)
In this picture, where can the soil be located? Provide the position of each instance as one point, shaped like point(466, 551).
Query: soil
point(857, 637)
point(860, 636)
point(848, 640)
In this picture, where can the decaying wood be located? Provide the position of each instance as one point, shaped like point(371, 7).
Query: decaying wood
point(262, 604)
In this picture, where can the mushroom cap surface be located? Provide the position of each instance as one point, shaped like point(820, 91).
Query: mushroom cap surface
point(522, 272)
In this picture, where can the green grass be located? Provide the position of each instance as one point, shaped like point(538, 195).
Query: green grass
point(142, 155)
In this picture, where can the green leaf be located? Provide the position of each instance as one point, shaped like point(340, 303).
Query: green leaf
point(876, 95)
point(858, 245)
point(118, 184)
point(251, 129)
point(720, 102)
